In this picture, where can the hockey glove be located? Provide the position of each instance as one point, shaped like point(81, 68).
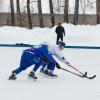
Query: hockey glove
point(57, 65)
point(68, 63)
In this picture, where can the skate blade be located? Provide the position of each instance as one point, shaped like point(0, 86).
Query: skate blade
point(47, 76)
point(34, 79)
point(12, 79)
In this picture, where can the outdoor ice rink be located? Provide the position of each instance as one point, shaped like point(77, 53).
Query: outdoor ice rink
point(65, 87)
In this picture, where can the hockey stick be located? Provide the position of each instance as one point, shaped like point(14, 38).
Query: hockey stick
point(92, 77)
point(76, 69)
point(84, 75)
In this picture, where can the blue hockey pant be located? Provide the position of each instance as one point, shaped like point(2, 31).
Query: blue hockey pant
point(51, 65)
point(28, 59)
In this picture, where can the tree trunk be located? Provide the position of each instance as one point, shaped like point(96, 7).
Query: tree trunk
point(98, 11)
point(1, 4)
point(66, 11)
point(29, 15)
point(75, 21)
point(19, 18)
point(12, 13)
point(40, 13)
point(51, 13)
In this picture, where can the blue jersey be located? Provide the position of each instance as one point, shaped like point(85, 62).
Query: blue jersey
point(42, 52)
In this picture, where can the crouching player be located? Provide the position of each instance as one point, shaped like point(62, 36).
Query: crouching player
point(35, 55)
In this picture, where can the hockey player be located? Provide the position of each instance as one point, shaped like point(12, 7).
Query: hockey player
point(60, 31)
point(54, 50)
point(35, 55)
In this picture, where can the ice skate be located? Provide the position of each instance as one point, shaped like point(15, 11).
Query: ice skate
point(31, 75)
point(42, 70)
point(12, 77)
point(50, 73)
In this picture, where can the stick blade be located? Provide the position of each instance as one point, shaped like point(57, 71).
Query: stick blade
point(91, 77)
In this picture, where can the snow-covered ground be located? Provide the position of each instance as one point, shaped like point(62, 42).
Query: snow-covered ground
point(75, 35)
point(66, 86)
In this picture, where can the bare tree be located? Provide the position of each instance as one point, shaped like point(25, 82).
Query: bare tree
point(19, 18)
point(58, 4)
point(75, 21)
point(66, 11)
point(12, 13)
point(29, 15)
point(98, 11)
point(40, 13)
point(83, 8)
point(51, 13)
point(1, 4)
